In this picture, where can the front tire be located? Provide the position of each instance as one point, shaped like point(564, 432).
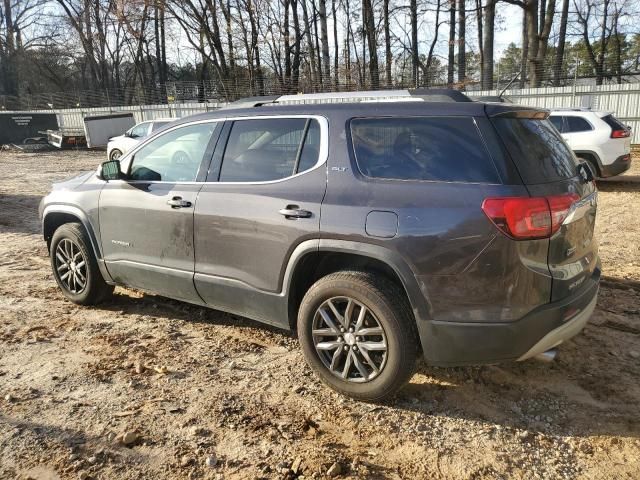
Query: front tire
point(75, 267)
point(115, 154)
point(356, 332)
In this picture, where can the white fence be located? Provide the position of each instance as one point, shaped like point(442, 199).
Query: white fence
point(621, 100)
point(72, 118)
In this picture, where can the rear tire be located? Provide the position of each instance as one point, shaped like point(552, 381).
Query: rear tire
point(75, 267)
point(386, 323)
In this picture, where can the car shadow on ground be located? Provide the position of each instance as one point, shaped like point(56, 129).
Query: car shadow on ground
point(561, 398)
point(19, 213)
point(621, 183)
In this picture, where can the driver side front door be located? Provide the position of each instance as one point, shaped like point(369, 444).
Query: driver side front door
point(146, 220)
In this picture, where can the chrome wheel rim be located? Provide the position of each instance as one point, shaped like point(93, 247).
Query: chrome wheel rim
point(349, 340)
point(71, 266)
point(116, 155)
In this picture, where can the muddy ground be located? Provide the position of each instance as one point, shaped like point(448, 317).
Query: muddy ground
point(202, 394)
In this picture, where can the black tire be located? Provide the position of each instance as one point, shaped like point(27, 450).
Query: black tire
point(115, 154)
point(95, 289)
point(595, 168)
point(389, 305)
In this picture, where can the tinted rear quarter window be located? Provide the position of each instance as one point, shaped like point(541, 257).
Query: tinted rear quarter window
point(448, 149)
point(614, 123)
point(537, 149)
point(577, 124)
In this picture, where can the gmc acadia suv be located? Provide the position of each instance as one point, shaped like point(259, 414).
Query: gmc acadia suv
point(381, 227)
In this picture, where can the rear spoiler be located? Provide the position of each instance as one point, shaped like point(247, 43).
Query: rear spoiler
point(512, 111)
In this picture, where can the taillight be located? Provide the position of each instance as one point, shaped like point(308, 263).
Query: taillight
point(559, 206)
point(620, 133)
point(525, 218)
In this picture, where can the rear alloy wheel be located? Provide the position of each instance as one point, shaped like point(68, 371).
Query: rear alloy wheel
point(75, 267)
point(349, 340)
point(356, 332)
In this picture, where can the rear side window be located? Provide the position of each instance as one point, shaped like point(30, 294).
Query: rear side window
point(537, 149)
point(577, 124)
point(260, 150)
point(447, 149)
point(557, 122)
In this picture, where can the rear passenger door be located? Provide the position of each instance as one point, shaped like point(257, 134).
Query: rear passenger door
point(262, 198)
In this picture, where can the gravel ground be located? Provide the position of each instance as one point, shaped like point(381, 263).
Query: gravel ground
point(146, 387)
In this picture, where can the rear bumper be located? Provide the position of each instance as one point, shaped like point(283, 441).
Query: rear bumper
point(451, 343)
point(618, 166)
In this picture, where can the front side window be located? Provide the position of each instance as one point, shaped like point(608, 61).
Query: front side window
point(174, 156)
point(447, 149)
point(260, 150)
point(577, 124)
point(139, 130)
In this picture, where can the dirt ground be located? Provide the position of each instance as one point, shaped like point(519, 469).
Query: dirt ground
point(146, 387)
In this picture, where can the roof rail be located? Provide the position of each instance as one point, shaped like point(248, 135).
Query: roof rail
point(418, 94)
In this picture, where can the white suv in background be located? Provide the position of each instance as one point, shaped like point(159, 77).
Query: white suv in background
point(121, 144)
point(597, 137)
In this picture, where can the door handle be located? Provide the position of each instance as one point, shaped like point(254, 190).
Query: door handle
point(293, 211)
point(178, 202)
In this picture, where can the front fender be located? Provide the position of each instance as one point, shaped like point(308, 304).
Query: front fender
point(71, 211)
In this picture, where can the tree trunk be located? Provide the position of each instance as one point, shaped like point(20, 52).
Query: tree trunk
point(326, 62)
point(415, 59)
point(370, 29)
point(489, 31)
point(525, 50)
point(336, 46)
point(562, 37)
point(462, 46)
point(452, 42)
point(309, 40)
point(387, 44)
point(9, 80)
point(480, 20)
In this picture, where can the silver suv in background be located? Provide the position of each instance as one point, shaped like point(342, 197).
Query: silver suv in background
point(597, 137)
point(121, 144)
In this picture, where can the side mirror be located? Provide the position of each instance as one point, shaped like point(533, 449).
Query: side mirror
point(111, 170)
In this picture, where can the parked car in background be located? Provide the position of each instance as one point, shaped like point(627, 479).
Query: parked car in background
point(597, 137)
point(121, 144)
point(380, 230)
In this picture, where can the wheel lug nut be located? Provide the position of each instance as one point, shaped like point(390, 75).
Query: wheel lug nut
point(351, 330)
point(346, 347)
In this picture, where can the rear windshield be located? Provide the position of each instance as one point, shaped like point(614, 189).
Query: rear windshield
point(537, 149)
point(447, 149)
point(614, 123)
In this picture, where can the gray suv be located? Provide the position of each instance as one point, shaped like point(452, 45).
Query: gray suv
point(380, 228)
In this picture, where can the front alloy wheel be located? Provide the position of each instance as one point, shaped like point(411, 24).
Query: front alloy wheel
point(71, 266)
point(75, 267)
point(349, 339)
